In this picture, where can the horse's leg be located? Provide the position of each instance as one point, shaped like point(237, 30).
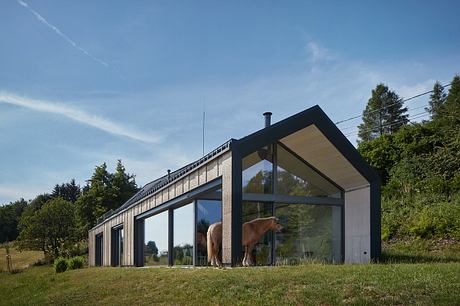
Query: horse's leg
point(249, 252)
point(244, 257)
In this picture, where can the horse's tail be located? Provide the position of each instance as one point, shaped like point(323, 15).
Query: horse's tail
point(209, 243)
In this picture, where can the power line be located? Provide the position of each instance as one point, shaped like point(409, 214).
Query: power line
point(402, 101)
point(415, 116)
point(411, 109)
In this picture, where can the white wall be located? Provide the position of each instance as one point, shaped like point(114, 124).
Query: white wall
point(357, 226)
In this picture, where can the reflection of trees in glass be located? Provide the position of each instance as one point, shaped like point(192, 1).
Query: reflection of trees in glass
point(259, 183)
point(290, 184)
point(307, 232)
point(151, 251)
point(183, 254)
point(257, 171)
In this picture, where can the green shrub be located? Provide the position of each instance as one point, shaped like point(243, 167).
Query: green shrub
point(76, 262)
point(60, 265)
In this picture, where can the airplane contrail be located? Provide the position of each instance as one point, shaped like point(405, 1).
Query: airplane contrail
point(79, 116)
point(61, 34)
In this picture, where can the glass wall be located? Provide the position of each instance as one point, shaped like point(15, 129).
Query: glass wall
point(309, 232)
point(156, 240)
point(183, 235)
point(258, 171)
point(207, 212)
point(253, 213)
point(296, 178)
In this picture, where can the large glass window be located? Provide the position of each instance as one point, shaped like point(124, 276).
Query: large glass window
point(260, 248)
point(207, 212)
point(183, 235)
point(296, 178)
point(156, 240)
point(309, 232)
point(258, 171)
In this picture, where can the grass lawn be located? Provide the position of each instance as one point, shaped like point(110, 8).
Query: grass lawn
point(424, 284)
point(20, 260)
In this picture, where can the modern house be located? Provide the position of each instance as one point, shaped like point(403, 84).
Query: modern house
point(302, 170)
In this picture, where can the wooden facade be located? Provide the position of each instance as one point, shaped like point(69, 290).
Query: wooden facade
point(198, 177)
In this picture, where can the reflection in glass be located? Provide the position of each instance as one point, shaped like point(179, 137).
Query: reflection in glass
point(297, 179)
point(121, 240)
point(183, 235)
point(261, 253)
point(208, 212)
point(156, 240)
point(258, 171)
point(310, 232)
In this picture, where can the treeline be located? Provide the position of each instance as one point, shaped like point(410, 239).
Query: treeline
point(57, 223)
point(419, 163)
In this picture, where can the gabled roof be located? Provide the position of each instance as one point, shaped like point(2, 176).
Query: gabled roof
point(319, 142)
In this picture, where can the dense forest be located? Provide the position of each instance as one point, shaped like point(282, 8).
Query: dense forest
point(418, 163)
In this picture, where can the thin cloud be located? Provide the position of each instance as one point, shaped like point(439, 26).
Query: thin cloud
point(60, 33)
point(318, 53)
point(77, 115)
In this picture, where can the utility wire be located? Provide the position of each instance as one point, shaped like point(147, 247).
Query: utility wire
point(415, 116)
point(411, 109)
point(402, 101)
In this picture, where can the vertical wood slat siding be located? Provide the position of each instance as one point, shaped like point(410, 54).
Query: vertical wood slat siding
point(196, 178)
point(227, 209)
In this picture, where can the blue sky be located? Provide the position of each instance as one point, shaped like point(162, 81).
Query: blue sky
point(83, 82)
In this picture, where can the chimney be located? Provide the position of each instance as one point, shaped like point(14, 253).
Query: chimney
point(169, 174)
point(268, 116)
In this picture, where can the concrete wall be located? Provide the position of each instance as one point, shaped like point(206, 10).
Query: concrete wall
point(201, 175)
point(357, 226)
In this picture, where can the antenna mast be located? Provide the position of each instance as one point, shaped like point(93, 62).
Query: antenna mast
point(204, 118)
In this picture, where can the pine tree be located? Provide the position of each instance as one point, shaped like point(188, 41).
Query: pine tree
point(125, 183)
point(451, 110)
point(384, 114)
point(437, 99)
point(68, 191)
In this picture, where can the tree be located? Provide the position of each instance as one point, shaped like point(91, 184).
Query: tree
point(124, 183)
point(68, 191)
point(52, 228)
point(384, 114)
point(151, 249)
point(10, 215)
point(437, 99)
point(451, 111)
point(105, 192)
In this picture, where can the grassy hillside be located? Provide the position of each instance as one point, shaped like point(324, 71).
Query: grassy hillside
point(20, 260)
point(424, 284)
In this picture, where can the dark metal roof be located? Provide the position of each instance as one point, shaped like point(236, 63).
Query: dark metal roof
point(157, 184)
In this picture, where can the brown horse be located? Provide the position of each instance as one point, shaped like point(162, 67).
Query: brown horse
point(252, 232)
point(214, 242)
